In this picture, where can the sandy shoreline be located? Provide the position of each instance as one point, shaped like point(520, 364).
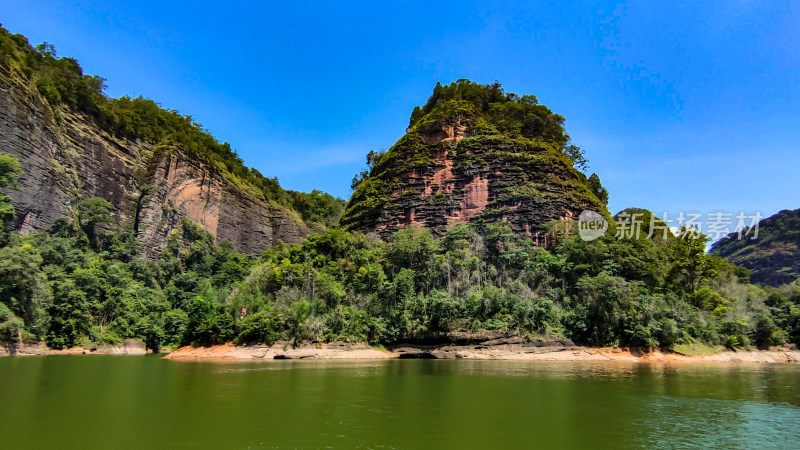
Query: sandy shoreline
point(512, 350)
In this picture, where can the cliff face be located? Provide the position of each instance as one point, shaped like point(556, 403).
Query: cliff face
point(774, 256)
point(181, 188)
point(454, 165)
point(69, 158)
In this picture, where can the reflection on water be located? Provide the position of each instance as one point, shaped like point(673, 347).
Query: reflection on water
point(136, 402)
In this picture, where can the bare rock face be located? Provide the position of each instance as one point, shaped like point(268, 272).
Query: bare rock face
point(127, 347)
point(72, 158)
point(185, 189)
point(444, 173)
point(60, 162)
point(772, 255)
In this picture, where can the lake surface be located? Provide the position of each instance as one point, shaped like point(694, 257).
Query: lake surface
point(146, 402)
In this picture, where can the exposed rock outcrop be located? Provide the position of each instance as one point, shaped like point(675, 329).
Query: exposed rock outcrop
point(182, 188)
point(772, 253)
point(69, 158)
point(281, 350)
point(126, 347)
point(465, 162)
point(541, 350)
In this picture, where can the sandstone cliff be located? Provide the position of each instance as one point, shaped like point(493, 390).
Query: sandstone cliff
point(66, 156)
point(474, 154)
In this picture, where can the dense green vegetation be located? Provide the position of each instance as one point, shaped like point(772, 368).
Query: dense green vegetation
point(509, 113)
point(66, 89)
point(82, 283)
point(774, 257)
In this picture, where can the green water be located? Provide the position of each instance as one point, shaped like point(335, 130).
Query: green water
point(147, 402)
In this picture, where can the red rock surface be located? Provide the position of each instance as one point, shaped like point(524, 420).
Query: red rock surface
point(467, 180)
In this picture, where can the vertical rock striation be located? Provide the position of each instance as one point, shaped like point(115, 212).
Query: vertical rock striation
point(71, 158)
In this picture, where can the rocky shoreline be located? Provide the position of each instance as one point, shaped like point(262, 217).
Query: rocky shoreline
point(126, 347)
point(513, 348)
point(497, 349)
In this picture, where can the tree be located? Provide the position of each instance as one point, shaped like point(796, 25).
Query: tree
point(92, 213)
point(260, 326)
point(11, 326)
point(9, 170)
point(689, 261)
point(577, 155)
point(297, 320)
point(606, 301)
point(597, 188)
point(46, 50)
point(23, 286)
point(68, 320)
point(373, 158)
point(207, 324)
point(416, 114)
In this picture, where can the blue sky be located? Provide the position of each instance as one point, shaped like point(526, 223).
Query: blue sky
point(680, 107)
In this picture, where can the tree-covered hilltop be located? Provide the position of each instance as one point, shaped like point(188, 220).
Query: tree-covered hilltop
point(774, 256)
point(61, 81)
point(82, 284)
point(504, 113)
point(474, 153)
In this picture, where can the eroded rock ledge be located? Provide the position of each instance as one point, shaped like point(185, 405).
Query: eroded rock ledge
point(126, 347)
point(513, 348)
point(500, 349)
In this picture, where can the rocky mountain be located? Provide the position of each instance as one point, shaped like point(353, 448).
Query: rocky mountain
point(473, 153)
point(154, 166)
point(774, 256)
